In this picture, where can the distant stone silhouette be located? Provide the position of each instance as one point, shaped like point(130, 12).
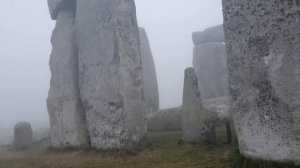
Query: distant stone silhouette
point(149, 74)
point(210, 62)
point(209, 35)
point(22, 135)
point(210, 65)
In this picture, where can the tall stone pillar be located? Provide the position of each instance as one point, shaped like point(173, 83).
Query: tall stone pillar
point(209, 62)
point(111, 80)
point(263, 46)
point(149, 74)
point(67, 118)
point(194, 116)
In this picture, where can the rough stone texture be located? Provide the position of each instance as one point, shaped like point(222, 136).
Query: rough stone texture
point(111, 80)
point(165, 120)
point(149, 74)
point(262, 39)
point(212, 34)
point(210, 66)
point(55, 6)
point(67, 118)
point(194, 116)
point(22, 135)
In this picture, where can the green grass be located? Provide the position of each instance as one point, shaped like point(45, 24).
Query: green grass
point(164, 150)
point(164, 139)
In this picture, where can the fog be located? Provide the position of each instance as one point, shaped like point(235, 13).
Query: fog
point(25, 31)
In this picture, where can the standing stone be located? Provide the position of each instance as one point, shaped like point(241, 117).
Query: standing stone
point(67, 118)
point(212, 34)
point(149, 74)
point(22, 135)
point(263, 45)
point(194, 116)
point(111, 75)
point(210, 65)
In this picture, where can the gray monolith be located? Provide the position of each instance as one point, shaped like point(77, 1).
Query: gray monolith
point(210, 66)
point(149, 74)
point(194, 116)
point(22, 135)
point(263, 46)
point(67, 118)
point(212, 34)
point(111, 75)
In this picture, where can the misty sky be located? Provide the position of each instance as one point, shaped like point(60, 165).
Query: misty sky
point(25, 31)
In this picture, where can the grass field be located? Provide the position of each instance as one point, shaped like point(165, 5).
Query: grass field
point(163, 151)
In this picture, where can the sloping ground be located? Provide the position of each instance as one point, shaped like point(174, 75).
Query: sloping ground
point(163, 151)
point(184, 157)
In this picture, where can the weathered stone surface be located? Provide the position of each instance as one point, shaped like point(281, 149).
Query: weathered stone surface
point(212, 34)
point(165, 120)
point(194, 116)
point(149, 74)
point(210, 66)
point(22, 135)
point(264, 74)
point(55, 6)
point(111, 80)
point(67, 118)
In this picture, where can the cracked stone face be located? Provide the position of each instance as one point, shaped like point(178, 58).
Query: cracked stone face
point(67, 118)
point(111, 76)
point(262, 39)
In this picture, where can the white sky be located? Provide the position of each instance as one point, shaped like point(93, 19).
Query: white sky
point(25, 31)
